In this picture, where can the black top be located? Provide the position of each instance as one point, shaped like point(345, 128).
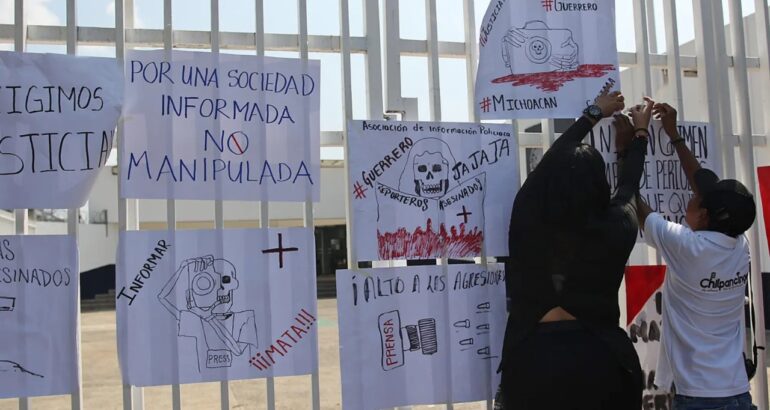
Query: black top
point(577, 269)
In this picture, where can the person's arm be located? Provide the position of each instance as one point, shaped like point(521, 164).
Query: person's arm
point(631, 142)
point(608, 103)
point(690, 164)
point(643, 210)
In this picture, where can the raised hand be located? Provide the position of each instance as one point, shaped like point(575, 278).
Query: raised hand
point(641, 114)
point(610, 103)
point(624, 132)
point(667, 115)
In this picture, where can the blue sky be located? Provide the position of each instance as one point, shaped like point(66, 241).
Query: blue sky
point(323, 19)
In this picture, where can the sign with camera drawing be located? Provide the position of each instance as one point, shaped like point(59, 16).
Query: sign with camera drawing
point(196, 306)
point(544, 59)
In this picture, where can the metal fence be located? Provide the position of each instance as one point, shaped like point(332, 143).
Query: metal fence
point(383, 49)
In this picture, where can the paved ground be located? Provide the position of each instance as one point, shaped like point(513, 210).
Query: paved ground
point(102, 387)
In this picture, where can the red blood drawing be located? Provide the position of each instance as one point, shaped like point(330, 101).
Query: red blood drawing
point(427, 243)
point(554, 80)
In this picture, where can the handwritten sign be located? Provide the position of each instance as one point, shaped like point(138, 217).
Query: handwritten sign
point(57, 115)
point(424, 190)
point(420, 335)
point(221, 126)
point(664, 184)
point(196, 306)
point(645, 318)
point(38, 315)
point(544, 59)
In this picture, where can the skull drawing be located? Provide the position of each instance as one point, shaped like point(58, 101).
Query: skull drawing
point(431, 174)
point(539, 50)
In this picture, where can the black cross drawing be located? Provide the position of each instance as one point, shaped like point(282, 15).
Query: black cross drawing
point(280, 250)
point(465, 214)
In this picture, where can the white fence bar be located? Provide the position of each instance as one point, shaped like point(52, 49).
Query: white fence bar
point(168, 45)
point(262, 206)
point(743, 109)
point(219, 218)
point(642, 45)
point(128, 211)
point(652, 32)
point(374, 91)
point(308, 206)
point(73, 214)
point(471, 56)
point(674, 60)
point(20, 45)
point(392, 86)
point(707, 64)
point(434, 85)
point(725, 103)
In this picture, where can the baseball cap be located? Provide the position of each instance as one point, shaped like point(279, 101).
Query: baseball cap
point(731, 208)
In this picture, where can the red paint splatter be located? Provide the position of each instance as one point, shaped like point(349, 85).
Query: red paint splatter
point(553, 80)
point(426, 243)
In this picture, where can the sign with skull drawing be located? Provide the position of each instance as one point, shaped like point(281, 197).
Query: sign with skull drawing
point(544, 59)
point(422, 190)
point(198, 306)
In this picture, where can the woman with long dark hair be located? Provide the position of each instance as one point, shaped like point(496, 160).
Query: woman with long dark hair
point(569, 241)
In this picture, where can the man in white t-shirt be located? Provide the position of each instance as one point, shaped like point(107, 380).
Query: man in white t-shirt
point(703, 293)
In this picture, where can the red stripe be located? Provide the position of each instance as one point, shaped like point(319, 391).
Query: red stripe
point(641, 284)
point(763, 176)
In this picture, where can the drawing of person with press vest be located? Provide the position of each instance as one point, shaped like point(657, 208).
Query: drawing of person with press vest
point(205, 311)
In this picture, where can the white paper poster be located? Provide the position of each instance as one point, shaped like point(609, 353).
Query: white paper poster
point(645, 326)
point(57, 122)
point(38, 315)
point(664, 184)
point(197, 306)
point(420, 335)
point(221, 126)
point(544, 58)
point(422, 190)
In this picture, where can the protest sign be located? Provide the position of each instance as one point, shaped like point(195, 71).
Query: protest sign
point(664, 184)
point(645, 318)
point(57, 122)
point(196, 306)
point(38, 315)
point(422, 190)
point(544, 59)
point(220, 126)
point(420, 335)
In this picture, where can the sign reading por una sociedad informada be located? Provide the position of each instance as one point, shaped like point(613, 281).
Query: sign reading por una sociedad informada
point(220, 126)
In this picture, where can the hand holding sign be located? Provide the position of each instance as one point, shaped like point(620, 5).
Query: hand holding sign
point(624, 132)
point(610, 103)
point(642, 113)
point(667, 116)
